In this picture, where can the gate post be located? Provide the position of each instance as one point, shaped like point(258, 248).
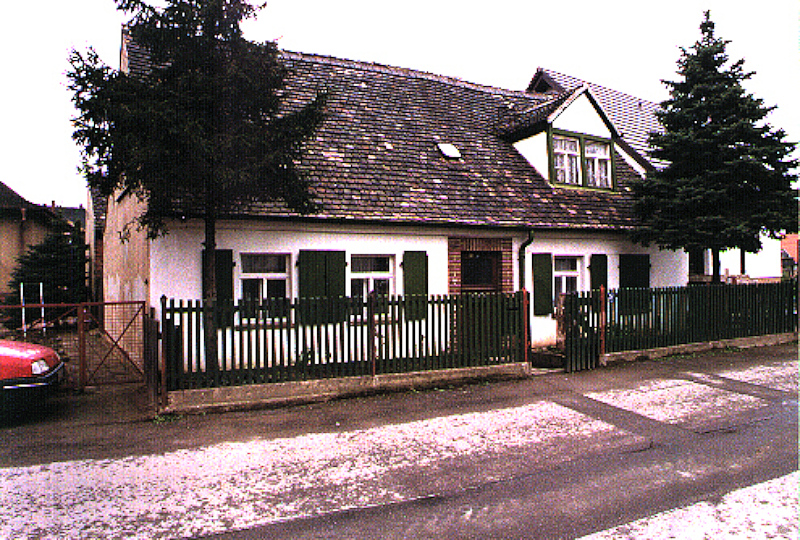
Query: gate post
point(603, 319)
point(82, 346)
point(526, 326)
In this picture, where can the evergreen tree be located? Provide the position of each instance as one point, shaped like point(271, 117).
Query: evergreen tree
point(727, 175)
point(203, 130)
point(58, 264)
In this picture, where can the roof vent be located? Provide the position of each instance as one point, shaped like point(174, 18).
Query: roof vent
point(449, 150)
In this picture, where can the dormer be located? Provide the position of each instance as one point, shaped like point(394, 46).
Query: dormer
point(572, 141)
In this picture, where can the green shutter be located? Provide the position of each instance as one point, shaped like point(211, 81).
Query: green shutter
point(322, 275)
point(311, 270)
point(335, 266)
point(634, 271)
point(598, 271)
point(415, 283)
point(542, 283)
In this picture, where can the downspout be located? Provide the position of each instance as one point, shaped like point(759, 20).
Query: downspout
point(522, 249)
point(528, 318)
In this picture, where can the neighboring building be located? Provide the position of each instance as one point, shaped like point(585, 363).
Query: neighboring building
point(426, 184)
point(95, 228)
point(22, 225)
point(75, 217)
point(790, 245)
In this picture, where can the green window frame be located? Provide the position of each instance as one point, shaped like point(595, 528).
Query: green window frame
point(589, 171)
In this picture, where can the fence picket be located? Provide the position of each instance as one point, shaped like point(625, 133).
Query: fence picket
point(284, 340)
point(647, 318)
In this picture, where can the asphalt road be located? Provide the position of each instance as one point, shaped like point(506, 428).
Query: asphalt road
point(555, 456)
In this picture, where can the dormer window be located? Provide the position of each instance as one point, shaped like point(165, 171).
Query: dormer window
point(598, 164)
point(581, 160)
point(566, 156)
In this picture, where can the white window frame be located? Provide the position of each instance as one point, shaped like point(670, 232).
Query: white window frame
point(561, 275)
point(372, 276)
point(598, 165)
point(566, 162)
point(264, 277)
point(581, 160)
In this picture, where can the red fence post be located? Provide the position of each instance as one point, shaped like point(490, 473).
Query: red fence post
point(82, 345)
point(526, 338)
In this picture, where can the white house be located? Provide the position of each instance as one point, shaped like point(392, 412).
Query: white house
point(426, 184)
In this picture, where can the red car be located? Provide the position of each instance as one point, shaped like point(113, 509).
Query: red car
point(27, 371)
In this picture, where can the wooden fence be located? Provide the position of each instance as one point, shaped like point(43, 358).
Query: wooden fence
point(600, 321)
point(282, 340)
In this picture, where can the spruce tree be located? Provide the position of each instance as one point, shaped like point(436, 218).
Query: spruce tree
point(727, 173)
point(58, 263)
point(203, 131)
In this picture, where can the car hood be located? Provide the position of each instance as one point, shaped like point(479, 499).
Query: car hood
point(16, 358)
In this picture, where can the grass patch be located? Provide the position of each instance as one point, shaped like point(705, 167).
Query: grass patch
point(167, 418)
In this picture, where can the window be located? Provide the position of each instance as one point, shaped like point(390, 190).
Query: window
point(581, 161)
point(480, 271)
point(566, 275)
point(566, 152)
point(371, 273)
point(264, 277)
point(598, 164)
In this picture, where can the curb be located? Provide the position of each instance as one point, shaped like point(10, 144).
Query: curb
point(269, 395)
point(609, 359)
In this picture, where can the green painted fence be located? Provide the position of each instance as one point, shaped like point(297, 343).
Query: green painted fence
point(598, 322)
point(281, 340)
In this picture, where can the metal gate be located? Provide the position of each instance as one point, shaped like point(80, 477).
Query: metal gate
point(102, 343)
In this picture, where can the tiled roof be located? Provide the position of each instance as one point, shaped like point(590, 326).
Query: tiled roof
point(134, 59)
point(11, 199)
point(634, 118)
point(99, 208)
point(11, 203)
point(375, 157)
point(520, 123)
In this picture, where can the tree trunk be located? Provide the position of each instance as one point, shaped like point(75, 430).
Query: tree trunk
point(210, 306)
point(715, 275)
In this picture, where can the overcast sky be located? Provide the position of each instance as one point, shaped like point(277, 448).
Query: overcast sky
point(627, 45)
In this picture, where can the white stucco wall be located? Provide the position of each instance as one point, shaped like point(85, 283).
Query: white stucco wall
point(764, 264)
point(180, 276)
point(176, 258)
point(668, 268)
point(534, 150)
point(581, 117)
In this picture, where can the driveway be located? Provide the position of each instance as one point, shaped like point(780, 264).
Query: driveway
point(658, 434)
